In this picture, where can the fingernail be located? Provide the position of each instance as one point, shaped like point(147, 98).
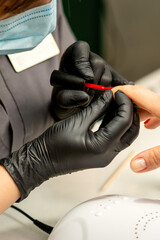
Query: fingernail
point(147, 121)
point(138, 165)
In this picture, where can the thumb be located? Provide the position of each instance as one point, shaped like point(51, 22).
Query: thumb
point(147, 160)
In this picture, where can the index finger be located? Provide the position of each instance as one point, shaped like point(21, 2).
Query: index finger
point(142, 97)
point(118, 126)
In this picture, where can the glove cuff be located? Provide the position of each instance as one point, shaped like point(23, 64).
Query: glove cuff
point(25, 167)
point(11, 168)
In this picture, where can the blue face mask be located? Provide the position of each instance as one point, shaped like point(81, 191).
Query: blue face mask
point(26, 30)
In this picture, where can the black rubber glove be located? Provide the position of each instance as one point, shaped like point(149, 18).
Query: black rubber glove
point(70, 145)
point(79, 64)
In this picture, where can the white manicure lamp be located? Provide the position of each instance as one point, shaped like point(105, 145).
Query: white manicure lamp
point(111, 218)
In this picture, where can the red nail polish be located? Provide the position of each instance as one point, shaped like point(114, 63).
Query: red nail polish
point(147, 121)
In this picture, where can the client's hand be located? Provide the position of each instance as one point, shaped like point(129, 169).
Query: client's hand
point(149, 107)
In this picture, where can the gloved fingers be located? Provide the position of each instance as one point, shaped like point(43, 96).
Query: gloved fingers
point(110, 114)
point(116, 128)
point(146, 161)
point(152, 123)
point(72, 98)
point(96, 110)
point(106, 79)
point(98, 66)
point(117, 79)
point(76, 60)
point(102, 76)
point(67, 81)
point(132, 132)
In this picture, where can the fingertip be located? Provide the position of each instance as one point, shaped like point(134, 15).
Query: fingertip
point(119, 92)
point(152, 123)
point(82, 45)
point(138, 165)
point(84, 99)
point(146, 161)
point(116, 92)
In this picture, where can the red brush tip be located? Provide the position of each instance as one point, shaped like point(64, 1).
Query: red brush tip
point(95, 86)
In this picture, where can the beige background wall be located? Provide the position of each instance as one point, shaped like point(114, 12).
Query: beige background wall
point(131, 36)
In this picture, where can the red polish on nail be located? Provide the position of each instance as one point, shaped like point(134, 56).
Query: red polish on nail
point(147, 121)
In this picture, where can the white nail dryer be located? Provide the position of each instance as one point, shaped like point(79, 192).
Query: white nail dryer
point(111, 218)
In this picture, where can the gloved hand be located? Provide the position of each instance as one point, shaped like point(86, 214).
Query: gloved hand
point(79, 64)
point(70, 145)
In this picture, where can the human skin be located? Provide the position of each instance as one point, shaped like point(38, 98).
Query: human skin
point(4, 15)
point(9, 191)
point(149, 107)
point(143, 98)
